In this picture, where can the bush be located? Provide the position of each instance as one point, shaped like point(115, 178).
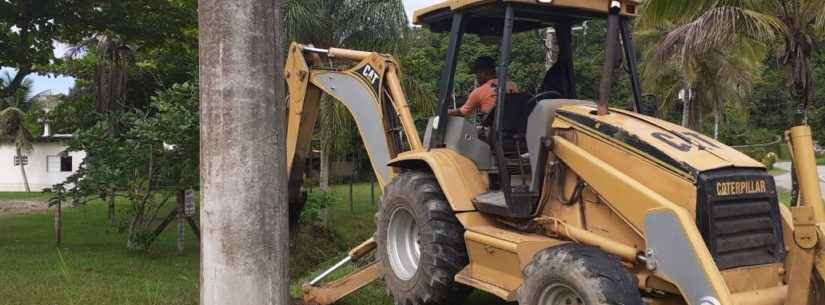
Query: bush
point(315, 210)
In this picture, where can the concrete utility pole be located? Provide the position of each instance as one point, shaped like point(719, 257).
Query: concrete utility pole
point(243, 169)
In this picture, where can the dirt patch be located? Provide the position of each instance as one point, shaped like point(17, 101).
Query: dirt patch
point(13, 207)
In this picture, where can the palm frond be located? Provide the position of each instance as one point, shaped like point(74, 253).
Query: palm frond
point(817, 12)
point(717, 28)
point(12, 124)
point(657, 13)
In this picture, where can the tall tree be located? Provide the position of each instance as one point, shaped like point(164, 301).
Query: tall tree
point(243, 173)
point(789, 27)
point(23, 98)
point(12, 125)
point(703, 79)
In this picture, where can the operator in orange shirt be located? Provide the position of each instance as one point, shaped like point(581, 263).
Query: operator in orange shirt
point(484, 96)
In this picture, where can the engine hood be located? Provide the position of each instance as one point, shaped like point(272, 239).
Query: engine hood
point(684, 149)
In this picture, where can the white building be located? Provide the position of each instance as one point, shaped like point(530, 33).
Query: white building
point(46, 165)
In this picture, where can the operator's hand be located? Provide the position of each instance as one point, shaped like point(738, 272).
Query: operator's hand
point(455, 112)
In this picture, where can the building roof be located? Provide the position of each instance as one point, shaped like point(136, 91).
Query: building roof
point(534, 14)
point(49, 101)
point(41, 139)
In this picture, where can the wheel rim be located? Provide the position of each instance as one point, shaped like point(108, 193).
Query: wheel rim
point(402, 244)
point(560, 294)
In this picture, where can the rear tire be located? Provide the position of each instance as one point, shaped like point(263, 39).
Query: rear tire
point(817, 293)
point(573, 274)
point(420, 242)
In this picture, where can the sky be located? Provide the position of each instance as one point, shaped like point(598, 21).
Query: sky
point(56, 83)
point(61, 84)
point(412, 5)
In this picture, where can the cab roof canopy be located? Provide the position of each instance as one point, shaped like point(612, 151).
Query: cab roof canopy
point(486, 16)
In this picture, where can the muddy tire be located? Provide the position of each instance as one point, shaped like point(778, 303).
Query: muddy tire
point(420, 242)
point(817, 293)
point(573, 274)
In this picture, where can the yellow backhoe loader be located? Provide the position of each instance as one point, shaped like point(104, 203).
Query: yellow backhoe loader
point(552, 200)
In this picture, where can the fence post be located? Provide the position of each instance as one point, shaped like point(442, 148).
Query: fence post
point(58, 227)
point(181, 199)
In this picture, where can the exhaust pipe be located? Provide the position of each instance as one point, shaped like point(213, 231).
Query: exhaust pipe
point(610, 56)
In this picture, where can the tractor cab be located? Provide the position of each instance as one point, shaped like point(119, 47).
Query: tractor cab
point(512, 143)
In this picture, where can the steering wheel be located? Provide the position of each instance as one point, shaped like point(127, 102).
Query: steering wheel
point(551, 94)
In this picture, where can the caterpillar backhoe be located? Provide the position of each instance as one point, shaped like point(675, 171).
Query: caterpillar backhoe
point(553, 200)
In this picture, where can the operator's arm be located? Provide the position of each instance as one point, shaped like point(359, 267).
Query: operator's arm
point(472, 102)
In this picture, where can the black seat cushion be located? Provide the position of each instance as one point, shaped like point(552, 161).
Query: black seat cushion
point(516, 111)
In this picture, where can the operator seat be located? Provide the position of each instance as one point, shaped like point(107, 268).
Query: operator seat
point(556, 80)
point(540, 124)
point(513, 129)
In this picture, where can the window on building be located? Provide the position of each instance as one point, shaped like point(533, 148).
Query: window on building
point(66, 164)
point(18, 160)
point(57, 164)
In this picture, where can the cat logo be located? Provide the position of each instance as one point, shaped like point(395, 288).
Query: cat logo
point(372, 76)
point(734, 188)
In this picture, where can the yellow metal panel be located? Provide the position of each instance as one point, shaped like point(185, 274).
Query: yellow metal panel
point(676, 188)
point(754, 277)
point(602, 220)
point(630, 198)
point(683, 145)
point(458, 176)
point(634, 200)
point(493, 261)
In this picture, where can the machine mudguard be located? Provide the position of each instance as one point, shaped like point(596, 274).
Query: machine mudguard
point(459, 177)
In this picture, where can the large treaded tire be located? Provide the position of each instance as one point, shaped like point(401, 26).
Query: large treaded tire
point(595, 276)
point(817, 293)
point(441, 242)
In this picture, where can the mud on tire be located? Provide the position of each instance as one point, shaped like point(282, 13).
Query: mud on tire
point(440, 240)
point(594, 277)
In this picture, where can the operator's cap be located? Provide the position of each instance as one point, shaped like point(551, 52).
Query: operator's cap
point(484, 63)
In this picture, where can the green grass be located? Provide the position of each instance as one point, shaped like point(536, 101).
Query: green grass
point(24, 196)
point(820, 161)
point(777, 171)
point(784, 197)
point(93, 265)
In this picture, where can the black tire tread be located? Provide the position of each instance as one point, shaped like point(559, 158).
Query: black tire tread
point(606, 280)
point(443, 252)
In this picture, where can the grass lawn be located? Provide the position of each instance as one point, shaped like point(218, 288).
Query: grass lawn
point(820, 161)
point(24, 196)
point(777, 171)
point(93, 266)
point(784, 197)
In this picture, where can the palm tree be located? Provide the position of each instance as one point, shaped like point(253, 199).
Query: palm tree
point(111, 69)
point(789, 27)
point(357, 24)
point(703, 79)
point(12, 125)
point(22, 98)
point(111, 81)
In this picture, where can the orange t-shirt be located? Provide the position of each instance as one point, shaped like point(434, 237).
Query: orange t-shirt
point(484, 97)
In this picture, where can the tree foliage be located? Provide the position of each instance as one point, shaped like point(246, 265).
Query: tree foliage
point(30, 28)
point(790, 28)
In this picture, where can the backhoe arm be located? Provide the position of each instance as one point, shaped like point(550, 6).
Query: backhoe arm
point(370, 88)
point(371, 91)
point(807, 255)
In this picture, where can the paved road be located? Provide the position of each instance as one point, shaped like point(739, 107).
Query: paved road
point(784, 180)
